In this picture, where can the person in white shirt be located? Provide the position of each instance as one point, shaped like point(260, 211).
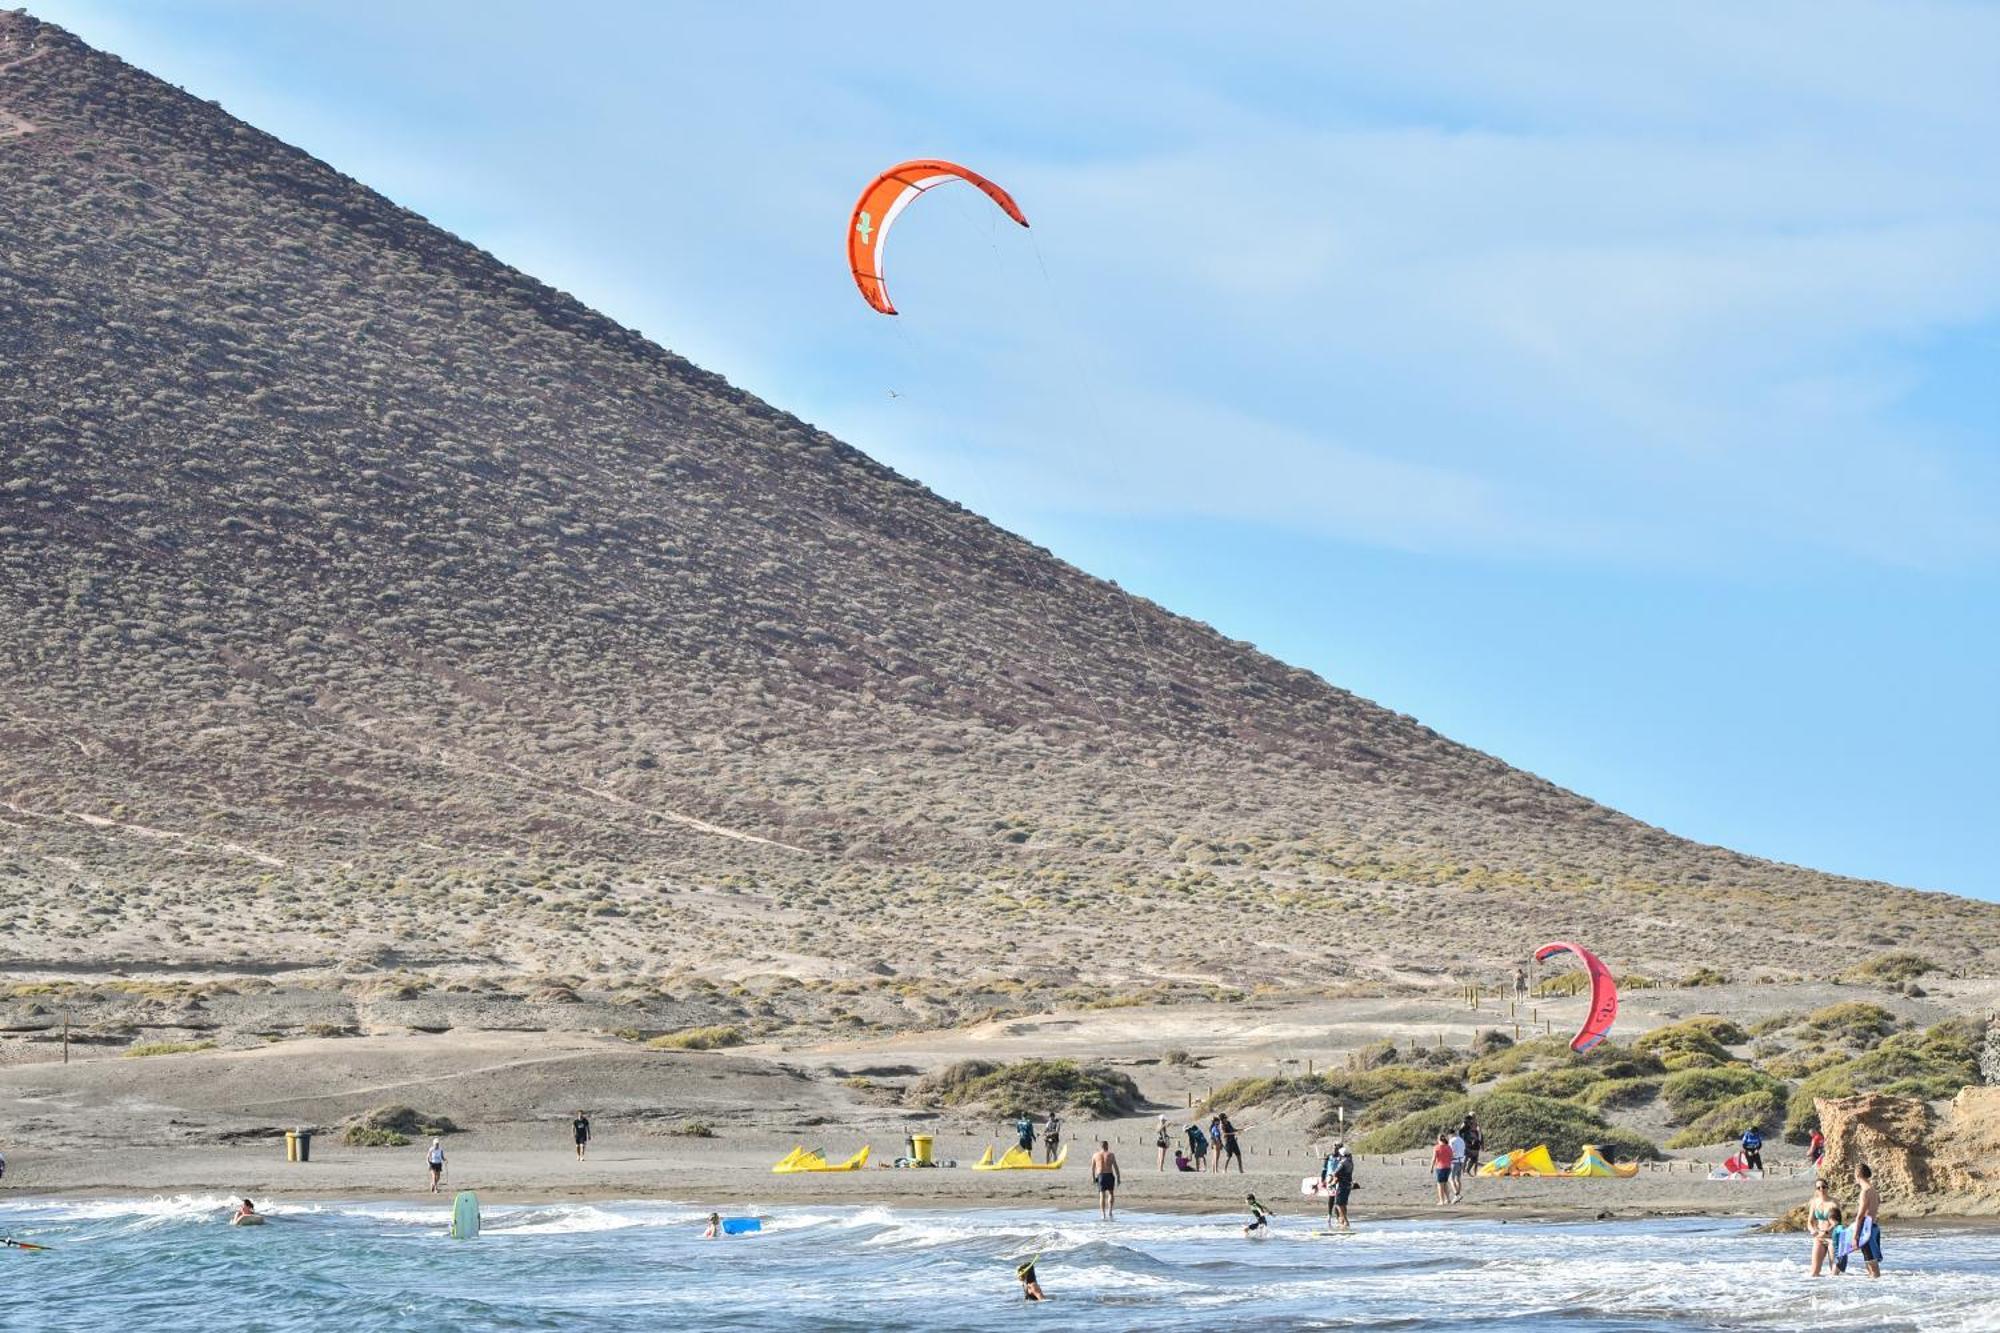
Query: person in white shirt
point(1457, 1166)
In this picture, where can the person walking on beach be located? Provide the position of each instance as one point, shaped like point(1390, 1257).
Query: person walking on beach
point(1868, 1221)
point(1457, 1144)
point(1475, 1143)
point(1024, 1132)
point(1337, 1176)
point(580, 1128)
point(1162, 1139)
point(436, 1159)
point(1441, 1167)
point(1753, 1151)
point(1198, 1145)
point(1231, 1150)
point(1104, 1170)
point(1051, 1137)
point(1820, 1218)
point(1520, 985)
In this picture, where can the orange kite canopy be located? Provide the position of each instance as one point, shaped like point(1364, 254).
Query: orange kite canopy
point(884, 201)
point(1603, 994)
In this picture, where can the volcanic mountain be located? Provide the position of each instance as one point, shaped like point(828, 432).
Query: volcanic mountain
point(362, 595)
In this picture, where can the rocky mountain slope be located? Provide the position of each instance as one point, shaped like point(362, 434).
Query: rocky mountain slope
point(361, 594)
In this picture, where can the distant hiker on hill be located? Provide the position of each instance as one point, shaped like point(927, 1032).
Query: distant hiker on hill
point(1520, 984)
point(1198, 1145)
point(1024, 1131)
point(1051, 1137)
point(1104, 1170)
point(580, 1128)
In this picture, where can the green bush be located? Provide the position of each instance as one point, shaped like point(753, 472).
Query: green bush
point(1930, 1065)
point(1891, 969)
point(698, 1039)
point(1564, 1083)
point(1762, 1107)
point(365, 1136)
point(1033, 1087)
point(146, 1048)
point(1620, 1093)
point(1695, 1043)
point(1693, 1093)
point(1854, 1023)
point(1510, 1120)
point(406, 1120)
point(1705, 976)
point(1372, 1096)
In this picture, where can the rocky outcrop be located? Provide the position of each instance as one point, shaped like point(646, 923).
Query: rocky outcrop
point(1924, 1164)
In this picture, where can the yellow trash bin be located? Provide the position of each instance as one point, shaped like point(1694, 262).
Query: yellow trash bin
point(291, 1145)
point(920, 1148)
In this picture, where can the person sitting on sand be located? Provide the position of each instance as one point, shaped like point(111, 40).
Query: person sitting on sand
point(1104, 1170)
point(714, 1227)
point(1181, 1162)
point(436, 1160)
point(1260, 1216)
point(1820, 1218)
point(1031, 1289)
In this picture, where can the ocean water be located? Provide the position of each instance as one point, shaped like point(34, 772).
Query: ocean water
point(173, 1264)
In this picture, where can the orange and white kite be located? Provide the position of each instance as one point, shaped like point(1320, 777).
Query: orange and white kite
point(884, 201)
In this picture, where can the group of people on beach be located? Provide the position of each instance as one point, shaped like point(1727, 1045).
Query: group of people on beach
point(1455, 1156)
point(1218, 1142)
point(1051, 1134)
point(1836, 1238)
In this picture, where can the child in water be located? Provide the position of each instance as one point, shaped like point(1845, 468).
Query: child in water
point(1030, 1289)
point(1260, 1216)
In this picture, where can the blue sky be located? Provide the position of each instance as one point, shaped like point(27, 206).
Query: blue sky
point(1612, 390)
